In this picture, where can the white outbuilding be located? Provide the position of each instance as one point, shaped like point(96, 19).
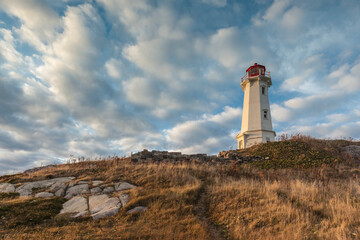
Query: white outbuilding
point(256, 126)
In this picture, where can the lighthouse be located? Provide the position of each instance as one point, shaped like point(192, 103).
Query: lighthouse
point(256, 126)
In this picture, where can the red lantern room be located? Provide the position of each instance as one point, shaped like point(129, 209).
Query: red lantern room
point(255, 70)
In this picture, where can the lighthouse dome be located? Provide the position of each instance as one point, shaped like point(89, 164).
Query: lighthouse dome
point(255, 70)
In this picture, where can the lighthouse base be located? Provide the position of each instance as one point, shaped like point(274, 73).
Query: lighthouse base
point(253, 137)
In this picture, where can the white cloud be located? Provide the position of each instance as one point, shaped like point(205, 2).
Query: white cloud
point(163, 58)
point(212, 132)
point(276, 10)
point(12, 59)
point(281, 114)
point(145, 22)
point(113, 68)
point(39, 21)
point(350, 81)
point(141, 91)
point(293, 18)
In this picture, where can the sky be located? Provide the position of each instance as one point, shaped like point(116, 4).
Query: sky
point(111, 77)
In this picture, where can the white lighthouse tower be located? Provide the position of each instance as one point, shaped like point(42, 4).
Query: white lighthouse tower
point(256, 126)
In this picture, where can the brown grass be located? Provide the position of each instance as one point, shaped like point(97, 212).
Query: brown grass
point(295, 209)
point(244, 201)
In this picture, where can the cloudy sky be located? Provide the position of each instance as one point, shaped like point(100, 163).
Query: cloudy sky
point(104, 77)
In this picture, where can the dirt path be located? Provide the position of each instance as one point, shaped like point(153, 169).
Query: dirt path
point(201, 207)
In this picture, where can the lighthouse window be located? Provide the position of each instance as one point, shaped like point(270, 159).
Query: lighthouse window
point(263, 90)
point(265, 114)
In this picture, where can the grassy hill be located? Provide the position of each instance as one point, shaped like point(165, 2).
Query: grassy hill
point(304, 188)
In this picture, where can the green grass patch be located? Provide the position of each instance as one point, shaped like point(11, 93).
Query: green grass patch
point(29, 212)
point(291, 153)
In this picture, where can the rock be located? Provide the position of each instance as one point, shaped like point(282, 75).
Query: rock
point(76, 190)
point(26, 189)
point(123, 186)
point(75, 205)
point(102, 206)
point(108, 190)
point(44, 195)
point(353, 151)
point(80, 214)
point(82, 182)
point(60, 192)
point(7, 188)
point(106, 213)
point(137, 210)
point(124, 198)
point(57, 186)
point(95, 191)
point(72, 184)
point(96, 183)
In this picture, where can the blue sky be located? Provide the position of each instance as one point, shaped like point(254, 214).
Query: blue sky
point(97, 78)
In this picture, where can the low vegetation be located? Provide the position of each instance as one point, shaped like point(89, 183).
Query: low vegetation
point(304, 189)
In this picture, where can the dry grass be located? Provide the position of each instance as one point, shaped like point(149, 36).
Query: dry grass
point(295, 209)
point(244, 201)
point(169, 191)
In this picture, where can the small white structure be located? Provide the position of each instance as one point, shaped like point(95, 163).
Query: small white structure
point(256, 126)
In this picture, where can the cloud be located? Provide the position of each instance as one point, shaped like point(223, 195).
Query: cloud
point(348, 81)
point(141, 91)
point(104, 77)
point(39, 20)
point(207, 132)
point(113, 68)
point(10, 57)
point(276, 10)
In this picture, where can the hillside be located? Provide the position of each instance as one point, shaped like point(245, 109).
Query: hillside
point(298, 188)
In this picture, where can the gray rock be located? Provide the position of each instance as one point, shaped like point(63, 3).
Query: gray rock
point(124, 198)
point(108, 190)
point(7, 188)
point(96, 183)
point(95, 191)
point(105, 213)
point(44, 195)
point(102, 206)
point(76, 190)
point(80, 214)
point(75, 205)
point(26, 189)
point(137, 210)
point(121, 186)
point(72, 184)
point(82, 182)
point(353, 151)
point(60, 192)
point(57, 186)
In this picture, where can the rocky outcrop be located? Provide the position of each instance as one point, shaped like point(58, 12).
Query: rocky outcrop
point(96, 190)
point(75, 205)
point(7, 188)
point(96, 183)
point(25, 190)
point(123, 186)
point(124, 198)
point(77, 190)
point(108, 190)
point(101, 206)
point(98, 202)
point(352, 151)
point(137, 210)
point(44, 195)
